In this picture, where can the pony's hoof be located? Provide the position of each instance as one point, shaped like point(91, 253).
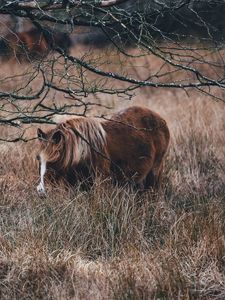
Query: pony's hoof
point(41, 191)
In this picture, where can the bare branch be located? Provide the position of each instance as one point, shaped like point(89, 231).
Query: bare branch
point(174, 44)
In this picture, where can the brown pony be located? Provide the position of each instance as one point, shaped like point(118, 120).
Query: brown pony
point(129, 147)
point(32, 44)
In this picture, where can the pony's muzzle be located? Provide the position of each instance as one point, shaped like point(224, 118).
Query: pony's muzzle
point(41, 190)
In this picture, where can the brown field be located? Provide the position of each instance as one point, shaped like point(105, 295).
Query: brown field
point(111, 243)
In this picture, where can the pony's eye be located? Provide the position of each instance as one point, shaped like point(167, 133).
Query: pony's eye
point(38, 157)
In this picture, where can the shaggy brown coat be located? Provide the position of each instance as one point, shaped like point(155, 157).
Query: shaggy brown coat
point(129, 147)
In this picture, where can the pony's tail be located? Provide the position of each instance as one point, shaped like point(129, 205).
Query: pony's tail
point(153, 123)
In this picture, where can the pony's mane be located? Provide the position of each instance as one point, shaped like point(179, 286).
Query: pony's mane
point(84, 137)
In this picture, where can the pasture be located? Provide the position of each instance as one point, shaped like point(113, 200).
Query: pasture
point(110, 242)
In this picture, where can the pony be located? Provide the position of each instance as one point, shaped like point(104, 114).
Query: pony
point(33, 44)
point(128, 147)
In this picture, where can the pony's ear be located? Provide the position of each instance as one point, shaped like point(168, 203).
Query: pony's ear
point(41, 135)
point(57, 136)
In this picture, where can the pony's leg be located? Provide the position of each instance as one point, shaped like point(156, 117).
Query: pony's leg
point(102, 168)
point(139, 186)
point(153, 179)
point(41, 186)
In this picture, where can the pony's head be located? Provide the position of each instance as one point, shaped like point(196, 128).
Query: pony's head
point(51, 144)
point(51, 147)
point(67, 145)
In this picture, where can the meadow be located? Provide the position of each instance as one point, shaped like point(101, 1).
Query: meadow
point(111, 242)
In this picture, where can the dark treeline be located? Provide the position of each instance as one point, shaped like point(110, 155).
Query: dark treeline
point(161, 20)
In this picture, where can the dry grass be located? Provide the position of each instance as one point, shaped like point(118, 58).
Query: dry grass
point(111, 243)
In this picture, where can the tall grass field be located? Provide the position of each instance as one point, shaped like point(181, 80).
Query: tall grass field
point(112, 242)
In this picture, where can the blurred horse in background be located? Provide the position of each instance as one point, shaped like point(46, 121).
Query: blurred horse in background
point(33, 44)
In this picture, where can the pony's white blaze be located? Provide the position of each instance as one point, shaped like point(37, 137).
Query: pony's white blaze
point(41, 186)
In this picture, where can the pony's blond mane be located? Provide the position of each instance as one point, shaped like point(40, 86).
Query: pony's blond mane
point(84, 137)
